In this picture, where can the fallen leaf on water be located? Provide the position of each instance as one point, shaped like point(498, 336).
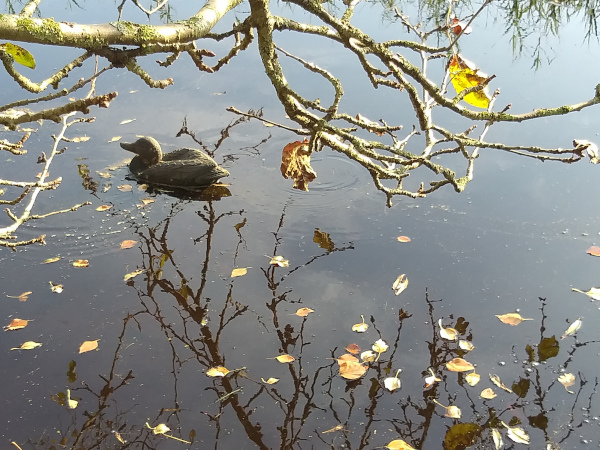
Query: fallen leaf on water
point(459, 365)
point(353, 348)
point(270, 380)
point(466, 345)
point(593, 293)
point(379, 346)
point(572, 328)
point(81, 263)
point(295, 164)
point(323, 239)
point(496, 380)
point(125, 188)
point(472, 378)
point(497, 438)
point(51, 260)
point(393, 383)
point(81, 139)
point(88, 346)
point(22, 298)
point(240, 271)
point(119, 438)
point(513, 319)
point(449, 334)
point(27, 345)
point(104, 174)
point(368, 356)
point(57, 288)
point(350, 367)
point(403, 239)
point(130, 275)
point(303, 312)
point(126, 121)
point(431, 379)
point(488, 394)
point(567, 380)
point(279, 261)
point(128, 244)
point(114, 139)
point(147, 201)
point(399, 444)
point(593, 250)
point(71, 403)
point(331, 430)
point(451, 411)
point(103, 207)
point(400, 284)
point(285, 358)
point(16, 324)
point(218, 371)
point(360, 327)
point(517, 434)
point(162, 429)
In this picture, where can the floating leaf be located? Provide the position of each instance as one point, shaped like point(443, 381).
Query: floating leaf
point(393, 383)
point(303, 312)
point(104, 174)
point(128, 244)
point(27, 345)
point(270, 380)
point(285, 358)
point(88, 346)
point(218, 371)
point(572, 328)
point(119, 438)
point(459, 365)
point(81, 263)
point(126, 121)
point(451, 411)
point(497, 438)
point(496, 380)
point(464, 75)
point(323, 239)
point(130, 275)
point(379, 346)
point(295, 164)
point(403, 239)
point(431, 379)
point(593, 250)
point(399, 444)
point(279, 261)
point(16, 324)
point(488, 394)
point(71, 403)
point(239, 272)
point(513, 319)
point(103, 208)
point(567, 380)
point(331, 430)
point(81, 139)
point(22, 297)
point(51, 260)
point(400, 284)
point(593, 293)
point(517, 434)
point(56, 288)
point(125, 188)
point(449, 334)
point(472, 378)
point(368, 356)
point(19, 54)
point(114, 139)
point(161, 428)
point(147, 201)
point(360, 327)
point(350, 367)
point(466, 345)
point(353, 348)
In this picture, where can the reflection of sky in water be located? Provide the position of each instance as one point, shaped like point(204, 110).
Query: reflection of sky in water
point(516, 234)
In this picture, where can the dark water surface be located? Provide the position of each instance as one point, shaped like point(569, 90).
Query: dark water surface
point(514, 240)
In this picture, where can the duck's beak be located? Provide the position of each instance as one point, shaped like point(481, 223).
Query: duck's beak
point(130, 146)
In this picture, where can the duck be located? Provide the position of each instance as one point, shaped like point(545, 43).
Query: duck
point(186, 168)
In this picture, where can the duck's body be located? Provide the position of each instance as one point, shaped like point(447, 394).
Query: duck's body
point(186, 168)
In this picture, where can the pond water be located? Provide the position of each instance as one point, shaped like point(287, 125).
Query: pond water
point(515, 240)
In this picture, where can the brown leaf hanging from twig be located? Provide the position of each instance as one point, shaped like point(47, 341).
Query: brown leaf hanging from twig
point(295, 164)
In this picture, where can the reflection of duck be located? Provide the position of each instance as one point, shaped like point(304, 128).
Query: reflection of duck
point(186, 168)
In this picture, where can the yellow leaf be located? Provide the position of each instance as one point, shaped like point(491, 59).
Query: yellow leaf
point(56, 288)
point(360, 327)
point(496, 380)
point(368, 356)
point(125, 188)
point(295, 164)
point(270, 380)
point(459, 365)
point(451, 411)
point(303, 312)
point(81, 263)
point(393, 383)
point(88, 346)
point(72, 404)
point(488, 394)
point(285, 358)
point(27, 345)
point(350, 367)
point(114, 139)
point(16, 324)
point(22, 298)
point(513, 319)
point(593, 293)
point(379, 346)
point(19, 54)
point(431, 379)
point(465, 75)
point(279, 261)
point(128, 244)
point(497, 437)
point(450, 334)
point(400, 284)
point(104, 174)
point(240, 271)
point(399, 444)
point(218, 371)
point(147, 201)
point(130, 275)
point(161, 428)
point(103, 207)
point(331, 430)
point(572, 328)
point(466, 345)
point(472, 378)
point(567, 380)
point(403, 239)
point(81, 139)
point(51, 260)
point(517, 434)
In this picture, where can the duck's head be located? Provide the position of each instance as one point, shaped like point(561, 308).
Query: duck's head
point(147, 148)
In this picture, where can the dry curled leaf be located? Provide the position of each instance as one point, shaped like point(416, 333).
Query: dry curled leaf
point(459, 365)
point(331, 430)
point(393, 383)
point(496, 380)
point(353, 348)
point(240, 271)
point(270, 380)
point(218, 371)
point(517, 434)
point(285, 358)
point(360, 327)
point(593, 250)
point(488, 394)
point(279, 261)
point(81, 263)
point(513, 319)
point(403, 239)
point(466, 345)
point(127, 244)
point(567, 380)
point(451, 411)
point(16, 324)
point(573, 328)
point(56, 288)
point(379, 346)
point(431, 379)
point(449, 334)
point(368, 356)
point(88, 346)
point(130, 275)
point(103, 208)
point(295, 164)
point(29, 345)
point(22, 297)
point(303, 312)
point(350, 367)
point(472, 378)
point(497, 438)
point(400, 284)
